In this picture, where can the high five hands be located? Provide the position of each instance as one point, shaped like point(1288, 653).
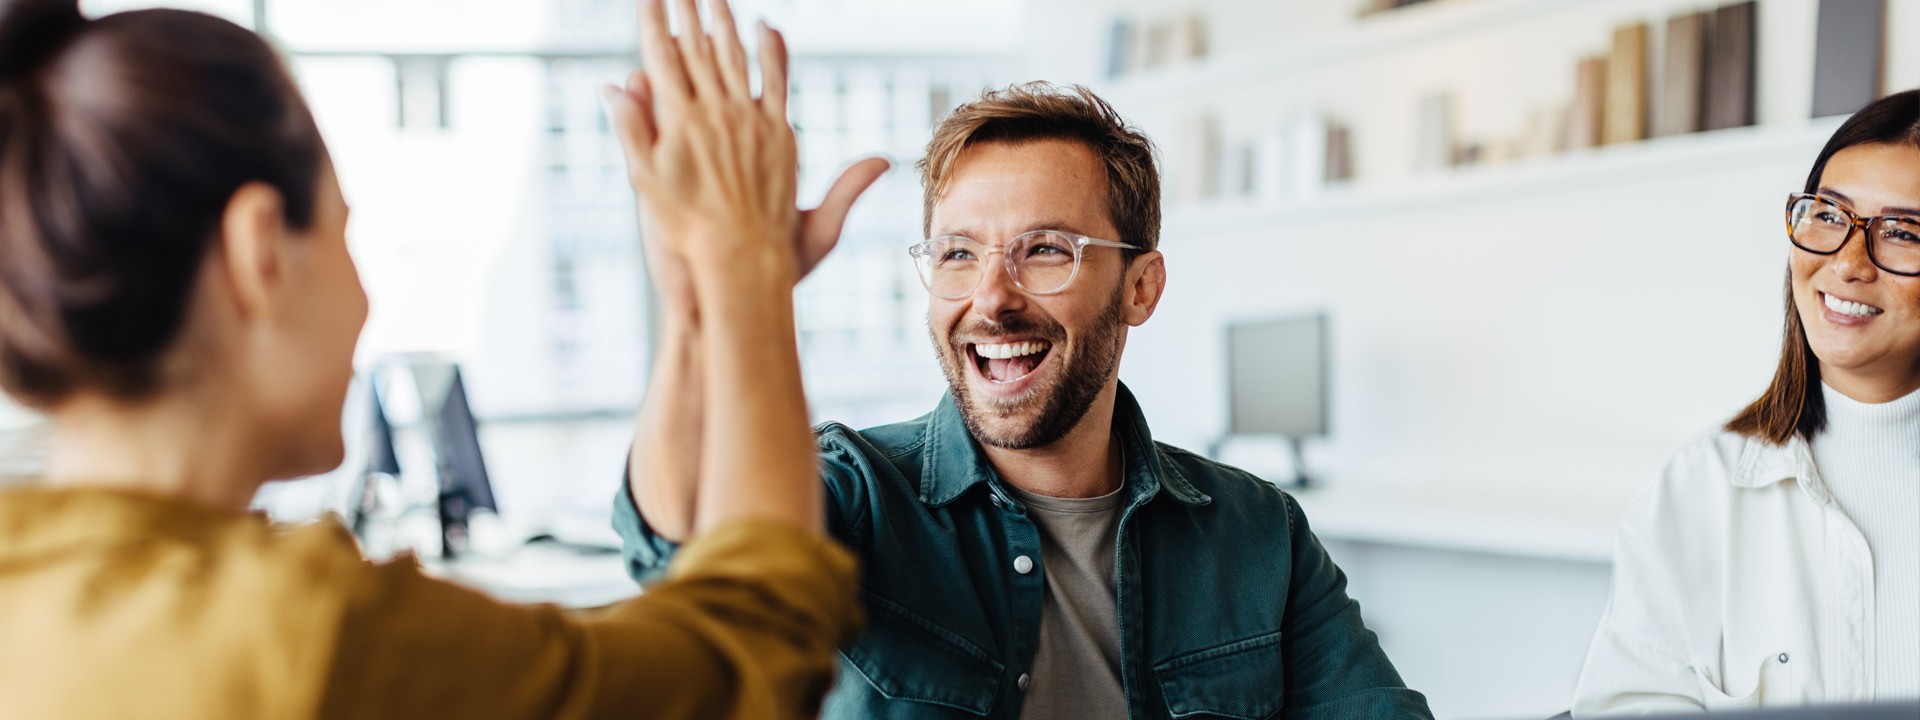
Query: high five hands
point(715, 165)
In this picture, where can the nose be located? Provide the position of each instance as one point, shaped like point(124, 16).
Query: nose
point(1852, 263)
point(997, 296)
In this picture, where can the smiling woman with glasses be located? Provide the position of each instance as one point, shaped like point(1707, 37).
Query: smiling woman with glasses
point(1777, 562)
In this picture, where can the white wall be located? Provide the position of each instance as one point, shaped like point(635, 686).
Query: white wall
point(1534, 337)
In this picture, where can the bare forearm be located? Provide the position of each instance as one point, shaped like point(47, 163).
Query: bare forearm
point(765, 469)
point(664, 469)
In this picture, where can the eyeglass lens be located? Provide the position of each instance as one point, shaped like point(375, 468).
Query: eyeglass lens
point(1821, 227)
point(1041, 263)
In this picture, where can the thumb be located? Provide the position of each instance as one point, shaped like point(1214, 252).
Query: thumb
point(820, 227)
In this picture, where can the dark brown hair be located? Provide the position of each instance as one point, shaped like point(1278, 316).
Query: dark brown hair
point(121, 141)
point(1793, 404)
point(1041, 111)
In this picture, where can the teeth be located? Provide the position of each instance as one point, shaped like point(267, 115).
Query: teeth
point(1846, 307)
point(1002, 351)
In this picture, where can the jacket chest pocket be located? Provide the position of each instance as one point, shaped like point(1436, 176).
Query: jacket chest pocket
point(1773, 684)
point(1241, 680)
point(906, 665)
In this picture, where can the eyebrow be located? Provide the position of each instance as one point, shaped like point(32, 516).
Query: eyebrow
point(1049, 224)
point(1890, 210)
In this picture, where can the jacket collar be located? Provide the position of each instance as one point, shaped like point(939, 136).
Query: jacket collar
point(954, 463)
point(1763, 464)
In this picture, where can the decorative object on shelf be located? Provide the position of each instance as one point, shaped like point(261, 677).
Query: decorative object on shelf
point(1589, 103)
point(1195, 159)
point(1676, 105)
point(1730, 68)
point(1434, 149)
point(1624, 117)
point(1379, 6)
point(1848, 55)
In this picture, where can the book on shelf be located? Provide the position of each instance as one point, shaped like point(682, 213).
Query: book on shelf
point(1160, 36)
point(1119, 48)
point(1624, 116)
point(1676, 105)
point(1189, 38)
point(1847, 58)
point(1730, 68)
point(1339, 163)
point(1589, 102)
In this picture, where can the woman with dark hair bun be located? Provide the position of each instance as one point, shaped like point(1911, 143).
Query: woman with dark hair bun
point(1777, 561)
point(177, 296)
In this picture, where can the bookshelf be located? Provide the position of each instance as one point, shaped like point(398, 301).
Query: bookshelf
point(1463, 297)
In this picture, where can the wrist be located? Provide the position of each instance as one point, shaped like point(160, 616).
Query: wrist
point(738, 259)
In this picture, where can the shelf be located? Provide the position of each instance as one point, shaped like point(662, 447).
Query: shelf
point(1397, 31)
point(1575, 170)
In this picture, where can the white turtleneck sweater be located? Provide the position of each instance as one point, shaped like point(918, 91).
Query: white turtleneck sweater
point(1869, 457)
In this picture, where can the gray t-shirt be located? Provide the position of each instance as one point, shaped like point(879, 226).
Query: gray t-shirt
point(1076, 668)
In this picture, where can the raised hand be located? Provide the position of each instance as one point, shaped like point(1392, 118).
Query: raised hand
point(634, 119)
point(714, 165)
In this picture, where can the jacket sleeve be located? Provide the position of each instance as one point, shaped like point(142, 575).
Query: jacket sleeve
point(1638, 662)
point(647, 554)
point(744, 625)
point(1334, 665)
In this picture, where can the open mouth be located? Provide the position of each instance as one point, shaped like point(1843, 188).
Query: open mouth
point(1849, 308)
point(1008, 362)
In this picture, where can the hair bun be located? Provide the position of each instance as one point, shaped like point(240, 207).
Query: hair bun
point(32, 29)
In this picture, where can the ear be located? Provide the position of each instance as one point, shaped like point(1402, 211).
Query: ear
point(1146, 280)
point(252, 234)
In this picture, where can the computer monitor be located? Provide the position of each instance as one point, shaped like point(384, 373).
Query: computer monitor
point(381, 459)
point(1277, 380)
point(454, 435)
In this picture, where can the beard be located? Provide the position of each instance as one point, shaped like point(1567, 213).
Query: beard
point(1053, 407)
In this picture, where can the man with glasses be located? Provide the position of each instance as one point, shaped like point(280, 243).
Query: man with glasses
point(1028, 550)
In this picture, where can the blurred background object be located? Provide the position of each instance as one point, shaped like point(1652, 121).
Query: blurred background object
point(1546, 232)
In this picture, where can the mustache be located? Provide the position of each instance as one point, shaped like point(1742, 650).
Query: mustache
point(1044, 329)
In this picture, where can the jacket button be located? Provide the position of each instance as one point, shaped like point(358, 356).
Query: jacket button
point(1025, 679)
point(1023, 565)
point(1783, 658)
point(997, 502)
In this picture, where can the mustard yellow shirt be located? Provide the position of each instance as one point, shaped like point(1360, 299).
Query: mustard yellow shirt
point(121, 605)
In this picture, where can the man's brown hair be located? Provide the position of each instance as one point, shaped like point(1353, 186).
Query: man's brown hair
point(1043, 111)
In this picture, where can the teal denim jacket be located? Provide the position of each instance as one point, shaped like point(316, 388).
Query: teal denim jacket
point(1229, 607)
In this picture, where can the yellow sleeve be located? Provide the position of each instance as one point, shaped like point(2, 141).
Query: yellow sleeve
point(745, 626)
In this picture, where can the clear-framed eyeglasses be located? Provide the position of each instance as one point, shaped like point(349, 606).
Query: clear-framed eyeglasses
point(1820, 226)
point(1041, 262)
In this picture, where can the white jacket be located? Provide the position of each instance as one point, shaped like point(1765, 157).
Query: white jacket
point(1737, 582)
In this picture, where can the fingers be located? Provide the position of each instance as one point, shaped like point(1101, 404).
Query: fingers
point(661, 56)
point(729, 53)
point(631, 114)
point(820, 229)
point(696, 52)
point(773, 73)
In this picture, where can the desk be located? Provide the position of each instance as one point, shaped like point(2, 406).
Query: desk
point(1485, 595)
point(1515, 522)
point(542, 572)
